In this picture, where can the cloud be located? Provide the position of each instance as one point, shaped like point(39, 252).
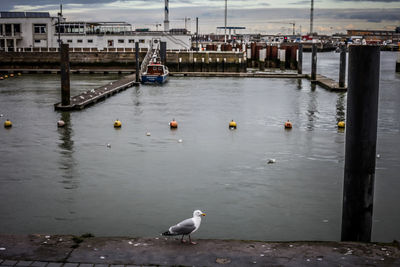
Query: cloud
point(387, 1)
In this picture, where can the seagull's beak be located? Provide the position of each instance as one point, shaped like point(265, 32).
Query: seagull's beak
point(203, 214)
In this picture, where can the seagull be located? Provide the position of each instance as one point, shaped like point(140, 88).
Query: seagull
point(186, 227)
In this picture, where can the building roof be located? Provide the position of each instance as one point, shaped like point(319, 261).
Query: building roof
point(6, 14)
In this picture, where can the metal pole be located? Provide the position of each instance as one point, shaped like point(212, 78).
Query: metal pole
point(359, 168)
point(342, 69)
point(65, 85)
point(314, 62)
point(197, 34)
point(137, 61)
point(300, 60)
point(311, 17)
point(226, 15)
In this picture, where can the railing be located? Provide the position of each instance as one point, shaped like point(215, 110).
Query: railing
point(72, 49)
point(176, 41)
point(147, 58)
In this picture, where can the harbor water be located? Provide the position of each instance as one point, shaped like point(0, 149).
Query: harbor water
point(140, 179)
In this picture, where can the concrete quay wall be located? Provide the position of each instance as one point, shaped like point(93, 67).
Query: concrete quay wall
point(177, 61)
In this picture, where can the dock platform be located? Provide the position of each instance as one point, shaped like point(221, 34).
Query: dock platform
point(327, 83)
point(92, 96)
point(238, 74)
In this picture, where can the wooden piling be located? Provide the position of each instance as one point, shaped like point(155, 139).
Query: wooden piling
point(361, 132)
point(342, 67)
point(300, 60)
point(163, 52)
point(137, 62)
point(314, 62)
point(65, 82)
point(398, 62)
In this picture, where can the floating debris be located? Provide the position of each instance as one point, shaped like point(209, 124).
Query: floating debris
point(180, 141)
point(325, 221)
point(383, 249)
point(262, 255)
point(2, 248)
point(290, 246)
point(130, 243)
point(109, 145)
point(47, 236)
point(378, 156)
point(271, 161)
point(222, 260)
point(148, 133)
point(102, 257)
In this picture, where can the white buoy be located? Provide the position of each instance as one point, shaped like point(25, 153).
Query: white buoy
point(271, 161)
point(378, 156)
point(180, 141)
point(108, 145)
point(60, 123)
point(1, 115)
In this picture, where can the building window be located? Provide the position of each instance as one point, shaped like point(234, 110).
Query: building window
point(110, 42)
point(69, 41)
point(121, 41)
point(39, 28)
point(131, 41)
point(90, 41)
point(79, 41)
point(37, 41)
point(141, 41)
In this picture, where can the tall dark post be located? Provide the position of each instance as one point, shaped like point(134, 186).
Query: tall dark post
point(314, 62)
point(137, 61)
point(300, 60)
point(398, 62)
point(197, 34)
point(65, 86)
point(359, 168)
point(342, 68)
point(163, 52)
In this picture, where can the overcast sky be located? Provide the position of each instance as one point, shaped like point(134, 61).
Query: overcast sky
point(260, 16)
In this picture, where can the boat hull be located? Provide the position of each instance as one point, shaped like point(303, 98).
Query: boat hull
point(160, 79)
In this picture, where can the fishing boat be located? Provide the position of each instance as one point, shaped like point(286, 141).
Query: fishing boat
point(155, 73)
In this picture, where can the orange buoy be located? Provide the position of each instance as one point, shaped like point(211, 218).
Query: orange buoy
point(288, 125)
point(173, 124)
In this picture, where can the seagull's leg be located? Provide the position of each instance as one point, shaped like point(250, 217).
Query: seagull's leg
point(190, 240)
point(183, 241)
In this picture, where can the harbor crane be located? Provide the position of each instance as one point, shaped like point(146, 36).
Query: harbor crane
point(154, 24)
point(293, 23)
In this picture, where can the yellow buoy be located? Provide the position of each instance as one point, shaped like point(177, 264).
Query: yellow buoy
point(7, 124)
point(19, 73)
point(288, 125)
point(341, 124)
point(173, 124)
point(117, 124)
point(232, 124)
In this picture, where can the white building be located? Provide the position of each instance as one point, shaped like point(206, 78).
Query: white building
point(28, 31)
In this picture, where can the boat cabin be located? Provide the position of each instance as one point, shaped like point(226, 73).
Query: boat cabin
point(155, 69)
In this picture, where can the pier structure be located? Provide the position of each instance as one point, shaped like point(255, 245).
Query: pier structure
point(95, 95)
point(360, 151)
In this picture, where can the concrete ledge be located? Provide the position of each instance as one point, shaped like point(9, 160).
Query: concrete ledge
point(17, 250)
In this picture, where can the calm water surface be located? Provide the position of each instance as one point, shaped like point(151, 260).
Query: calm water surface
point(67, 181)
